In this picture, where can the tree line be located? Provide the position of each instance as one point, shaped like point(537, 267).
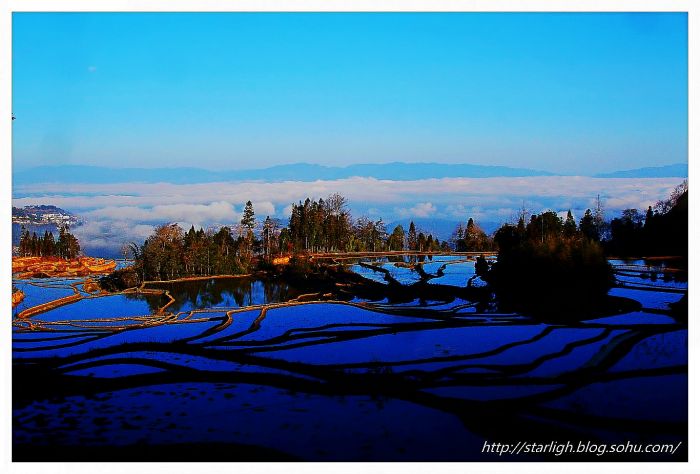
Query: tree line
point(552, 266)
point(661, 230)
point(66, 246)
point(326, 225)
point(314, 226)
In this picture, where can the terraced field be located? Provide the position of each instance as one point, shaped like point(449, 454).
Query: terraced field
point(254, 369)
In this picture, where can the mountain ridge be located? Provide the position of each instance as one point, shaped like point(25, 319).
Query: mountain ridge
point(306, 172)
point(293, 171)
point(676, 170)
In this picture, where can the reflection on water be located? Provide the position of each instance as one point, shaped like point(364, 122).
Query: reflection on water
point(225, 293)
point(230, 362)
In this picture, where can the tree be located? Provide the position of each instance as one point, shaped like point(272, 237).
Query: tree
point(268, 237)
point(162, 253)
point(509, 236)
point(544, 226)
point(224, 250)
point(320, 225)
point(67, 246)
point(569, 225)
point(649, 217)
point(665, 205)
point(396, 239)
point(626, 237)
point(368, 235)
point(542, 271)
point(339, 222)
point(421, 242)
point(599, 217)
point(248, 219)
point(379, 235)
point(412, 237)
point(24, 242)
point(588, 228)
point(247, 226)
point(49, 244)
point(633, 216)
point(662, 230)
point(474, 239)
point(34, 246)
point(284, 240)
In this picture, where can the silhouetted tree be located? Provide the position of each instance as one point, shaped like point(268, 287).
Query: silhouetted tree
point(569, 225)
point(588, 227)
point(540, 270)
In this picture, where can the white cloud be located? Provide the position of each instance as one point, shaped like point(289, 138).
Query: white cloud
point(110, 234)
point(127, 211)
point(422, 209)
point(563, 191)
point(194, 214)
point(263, 209)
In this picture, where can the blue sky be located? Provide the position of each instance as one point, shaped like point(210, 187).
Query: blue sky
point(567, 93)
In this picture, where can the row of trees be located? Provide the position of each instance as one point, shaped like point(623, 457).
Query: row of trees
point(550, 266)
point(319, 226)
point(171, 253)
point(661, 230)
point(314, 226)
point(554, 267)
point(327, 226)
point(547, 226)
point(67, 245)
point(634, 233)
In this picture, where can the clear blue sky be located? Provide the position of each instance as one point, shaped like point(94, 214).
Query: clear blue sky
point(569, 93)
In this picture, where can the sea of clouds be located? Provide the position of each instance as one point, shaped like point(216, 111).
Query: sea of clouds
point(117, 213)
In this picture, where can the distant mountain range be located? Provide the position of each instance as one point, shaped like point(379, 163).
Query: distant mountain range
point(678, 170)
point(303, 172)
point(290, 172)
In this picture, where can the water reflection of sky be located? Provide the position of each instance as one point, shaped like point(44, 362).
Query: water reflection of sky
point(225, 293)
point(473, 357)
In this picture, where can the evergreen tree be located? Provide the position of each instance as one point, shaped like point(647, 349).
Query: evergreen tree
point(599, 217)
point(396, 239)
point(569, 225)
point(248, 219)
point(48, 244)
point(474, 240)
point(247, 226)
point(421, 242)
point(24, 242)
point(412, 237)
point(588, 228)
point(268, 236)
point(35, 247)
point(649, 217)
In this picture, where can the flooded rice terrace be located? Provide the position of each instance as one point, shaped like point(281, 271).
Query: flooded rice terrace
point(235, 369)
